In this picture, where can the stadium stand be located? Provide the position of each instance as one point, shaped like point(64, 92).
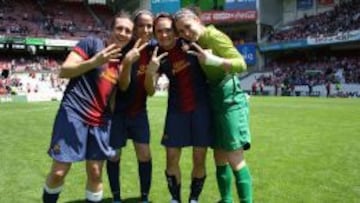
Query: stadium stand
point(344, 17)
point(310, 50)
point(55, 19)
point(19, 17)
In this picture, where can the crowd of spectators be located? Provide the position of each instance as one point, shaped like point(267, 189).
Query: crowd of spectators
point(13, 84)
point(40, 68)
point(312, 69)
point(344, 17)
point(18, 17)
point(29, 64)
point(54, 18)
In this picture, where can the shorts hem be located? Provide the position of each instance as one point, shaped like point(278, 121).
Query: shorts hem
point(65, 160)
point(245, 147)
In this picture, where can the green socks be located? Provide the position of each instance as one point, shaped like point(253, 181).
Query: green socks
point(244, 184)
point(224, 178)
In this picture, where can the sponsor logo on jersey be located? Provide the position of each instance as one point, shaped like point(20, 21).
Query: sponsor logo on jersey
point(179, 66)
point(109, 75)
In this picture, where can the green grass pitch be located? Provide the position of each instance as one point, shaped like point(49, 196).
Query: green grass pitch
point(303, 150)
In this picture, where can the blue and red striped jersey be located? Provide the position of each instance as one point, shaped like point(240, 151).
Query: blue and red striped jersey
point(133, 100)
point(188, 83)
point(87, 96)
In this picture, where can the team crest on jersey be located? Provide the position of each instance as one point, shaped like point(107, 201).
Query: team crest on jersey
point(109, 75)
point(165, 137)
point(56, 149)
point(179, 66)
point(141, 70)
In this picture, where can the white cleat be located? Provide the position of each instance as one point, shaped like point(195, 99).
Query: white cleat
point(193, 201)
point(174, 201)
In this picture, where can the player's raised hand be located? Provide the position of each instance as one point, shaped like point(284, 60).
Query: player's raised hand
point(185, 46)
point(134, 53)
point(154, 63)
point(199, 52)
point(205, 56)
point(110, 53)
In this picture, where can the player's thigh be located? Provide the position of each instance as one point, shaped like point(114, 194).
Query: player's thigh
point(235, 126)
point(199, 155)
point(138, 128)
point(69, 138)
point(201, 132)
point(220, 156)
point(118, 135)
point(98, 146)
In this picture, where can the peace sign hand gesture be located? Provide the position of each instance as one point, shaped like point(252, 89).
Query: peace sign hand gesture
point(205, 56)
point(110, 53)
point(134, 53)
point(154, 63)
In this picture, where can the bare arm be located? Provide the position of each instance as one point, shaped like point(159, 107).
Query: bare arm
point(125, 75)
point(150, 82)
point(151, 72)
point(75, 65)
point(129, 59)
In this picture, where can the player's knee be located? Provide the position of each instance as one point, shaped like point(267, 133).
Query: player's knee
point(220, 157)
point(236, 160)
point(144, 154)
point(94, 177)
point(94, 174)
point(172, 163)
point(173, 158)
point(237, 165)
point(199, 160)
point(57, 176)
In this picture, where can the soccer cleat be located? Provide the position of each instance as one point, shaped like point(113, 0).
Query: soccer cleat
point(193, 201)
point(174, 201)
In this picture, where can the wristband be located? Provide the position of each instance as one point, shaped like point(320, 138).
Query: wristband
point(213, 60)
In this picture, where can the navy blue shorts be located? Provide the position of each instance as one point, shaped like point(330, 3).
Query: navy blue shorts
point(129, 127)
point(73, 140)
point(184, 129)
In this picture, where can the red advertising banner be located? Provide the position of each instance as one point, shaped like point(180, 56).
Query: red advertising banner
point(325, 2)
point(228, 16)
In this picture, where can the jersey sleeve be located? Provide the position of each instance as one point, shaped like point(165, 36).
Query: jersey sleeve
point(224, 47)
point(88, 47)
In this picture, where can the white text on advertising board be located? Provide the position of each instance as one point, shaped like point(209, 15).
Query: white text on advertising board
point(228, 16)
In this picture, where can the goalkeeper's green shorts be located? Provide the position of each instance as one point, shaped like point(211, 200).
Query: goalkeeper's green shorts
point(231, 115)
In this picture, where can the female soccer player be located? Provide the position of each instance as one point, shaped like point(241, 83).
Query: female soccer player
point(188, 111)
point(221, 61)
point(130, 120)
point(81, 127)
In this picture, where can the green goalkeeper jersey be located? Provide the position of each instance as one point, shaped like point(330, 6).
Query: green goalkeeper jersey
point(222, 46)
